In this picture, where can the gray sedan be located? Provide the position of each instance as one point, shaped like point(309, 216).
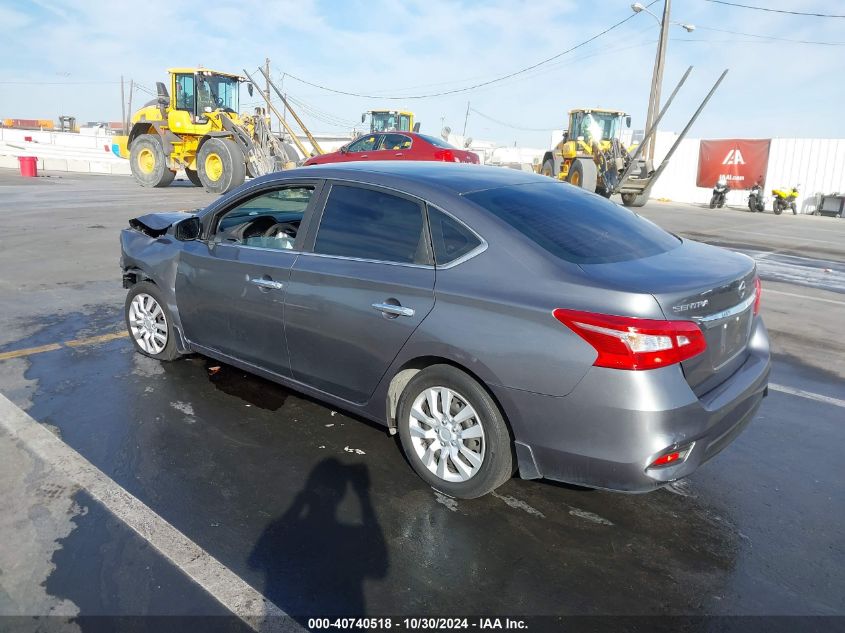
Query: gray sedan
point(497, 320)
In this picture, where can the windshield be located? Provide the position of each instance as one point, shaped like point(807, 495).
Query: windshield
point(217, 91)
point(597, 126)
point(574, 225)
point(384, 121)
point(437, 142)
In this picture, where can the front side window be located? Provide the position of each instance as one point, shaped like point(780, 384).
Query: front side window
point(185, 92)
point(364, 144)
point(269, 220)
point(395, 142)
point(574, 225)
point(369, 224)
point(450, 238)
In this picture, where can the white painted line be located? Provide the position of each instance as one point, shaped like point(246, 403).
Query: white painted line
point(811, 298)
point(836, 402)
point(259, 613)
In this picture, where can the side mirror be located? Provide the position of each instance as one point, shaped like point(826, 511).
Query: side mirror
point(344, 149)
point(249, 88)
point(363, 117)
point(628, 121)
point(417, 127)
point(188, 229)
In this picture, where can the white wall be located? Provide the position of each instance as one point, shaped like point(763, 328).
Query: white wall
point(817, 165)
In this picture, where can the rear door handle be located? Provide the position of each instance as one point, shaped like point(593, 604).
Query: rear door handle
point(389, 308)
point(267, 283)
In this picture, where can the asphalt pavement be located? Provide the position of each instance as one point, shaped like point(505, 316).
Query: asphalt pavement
point(193, 489)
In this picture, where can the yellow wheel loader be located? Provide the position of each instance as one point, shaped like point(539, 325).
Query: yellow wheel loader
point(591, 154)
point(390, 121)
point(195, 126)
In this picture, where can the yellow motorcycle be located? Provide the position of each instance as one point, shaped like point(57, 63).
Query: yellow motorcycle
point(785, 199)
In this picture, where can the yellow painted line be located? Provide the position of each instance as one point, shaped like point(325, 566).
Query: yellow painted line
point(29, 351)
point(93, 340)
point(79, 342)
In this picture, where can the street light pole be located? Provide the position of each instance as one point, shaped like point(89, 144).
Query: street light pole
point(659, 63)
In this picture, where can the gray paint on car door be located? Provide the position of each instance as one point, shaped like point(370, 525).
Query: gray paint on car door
point(340, 343)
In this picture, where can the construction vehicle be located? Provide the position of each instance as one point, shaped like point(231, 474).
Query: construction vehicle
point(593, 138)
point(195, 126)
point(390, 121)
point(592, 156)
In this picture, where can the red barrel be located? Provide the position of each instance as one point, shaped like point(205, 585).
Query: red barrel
point(29, 166)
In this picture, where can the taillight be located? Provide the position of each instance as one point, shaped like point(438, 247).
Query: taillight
point(634, 343)
point(758, 293)
point(445, 155)
point(672, 457)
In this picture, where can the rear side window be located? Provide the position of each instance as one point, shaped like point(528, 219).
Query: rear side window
point(369, 224)
point(574, 225)
point(450, 238)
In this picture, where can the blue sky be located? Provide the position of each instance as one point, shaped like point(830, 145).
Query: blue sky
point(74, 51)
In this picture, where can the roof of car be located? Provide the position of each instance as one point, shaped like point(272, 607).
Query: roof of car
point(459, 178)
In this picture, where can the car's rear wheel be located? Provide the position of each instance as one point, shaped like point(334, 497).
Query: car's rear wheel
point(453, 433)
point(148, 322)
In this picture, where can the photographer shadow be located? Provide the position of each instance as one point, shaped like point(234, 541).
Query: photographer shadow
point(316, 556)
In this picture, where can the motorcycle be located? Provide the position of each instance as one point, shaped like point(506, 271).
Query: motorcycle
point(785, 199)
point(720, 191)
point(755, 198)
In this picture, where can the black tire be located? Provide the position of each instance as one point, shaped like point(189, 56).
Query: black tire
point(713, 200)
point(794, 209)
point(148, 162)
point(777, 208)
point(583, 173)
point(548, 169)
point(634, 199)
point(193, 176)
point(221, 165)
point(168, 351)
point(721, 203)
point(496, 465)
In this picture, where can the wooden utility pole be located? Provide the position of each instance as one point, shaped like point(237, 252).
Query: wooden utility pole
point(466, 118)
point(123, 105)
point(657, 77)
point(129, 107)
point(267, 88)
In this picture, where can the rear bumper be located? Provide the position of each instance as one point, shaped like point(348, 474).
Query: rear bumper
point(607, 431)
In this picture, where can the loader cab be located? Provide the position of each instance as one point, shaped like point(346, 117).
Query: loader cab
point(390, 121)
point(592, 125)
point(196, 92)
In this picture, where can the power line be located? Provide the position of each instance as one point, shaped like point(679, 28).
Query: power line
point(474, 86)
point(513, 127)
point(756, 8)
point(772, 37)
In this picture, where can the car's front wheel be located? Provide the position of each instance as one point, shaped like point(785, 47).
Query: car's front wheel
point(148, 322)
point(453, 433)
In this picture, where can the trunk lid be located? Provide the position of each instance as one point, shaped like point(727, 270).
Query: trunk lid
point(696, 282)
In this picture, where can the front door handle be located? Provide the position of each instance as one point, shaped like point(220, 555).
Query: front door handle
point(394, 310)
point(267, 283)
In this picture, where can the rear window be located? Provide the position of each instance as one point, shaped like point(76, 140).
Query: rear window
point(574, 225)
point(437, 142)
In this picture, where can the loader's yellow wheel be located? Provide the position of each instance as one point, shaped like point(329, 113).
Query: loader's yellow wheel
point(146, 161)
point(213, 167)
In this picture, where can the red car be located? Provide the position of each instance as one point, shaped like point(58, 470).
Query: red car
point(396, 146)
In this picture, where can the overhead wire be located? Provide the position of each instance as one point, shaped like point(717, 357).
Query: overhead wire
point(772, 10)
point(473, 86)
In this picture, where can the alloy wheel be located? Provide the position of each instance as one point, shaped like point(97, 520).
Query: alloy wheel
point(447, 434)
point(147, 323)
